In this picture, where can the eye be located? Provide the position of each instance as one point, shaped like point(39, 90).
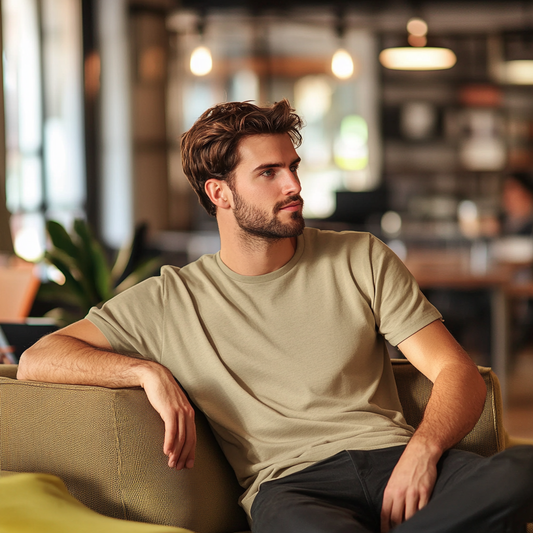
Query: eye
point(268, 173)
point(294, 168)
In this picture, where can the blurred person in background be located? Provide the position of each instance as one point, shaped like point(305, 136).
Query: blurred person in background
point(515, 247)
point(517, 204)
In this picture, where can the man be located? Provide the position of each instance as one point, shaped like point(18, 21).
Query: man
point(278, 338)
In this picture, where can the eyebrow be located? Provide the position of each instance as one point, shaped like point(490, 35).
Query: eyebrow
point(276, 165)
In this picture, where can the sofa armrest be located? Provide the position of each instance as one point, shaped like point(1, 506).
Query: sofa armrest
point(8, 371)
point(486, 438)
point(107, 446)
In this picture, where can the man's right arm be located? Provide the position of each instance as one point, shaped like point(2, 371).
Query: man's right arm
point(80, 354)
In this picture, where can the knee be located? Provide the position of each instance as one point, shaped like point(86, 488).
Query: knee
point(517, 465)
point(520, 459)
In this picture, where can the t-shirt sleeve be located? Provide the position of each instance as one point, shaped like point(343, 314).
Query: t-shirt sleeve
point(400, 308)
point(132, 321)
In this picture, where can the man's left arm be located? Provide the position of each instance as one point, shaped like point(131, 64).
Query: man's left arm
point(453, 409)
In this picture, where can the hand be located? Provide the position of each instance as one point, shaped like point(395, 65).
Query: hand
point(170, 402)
point(410, 485)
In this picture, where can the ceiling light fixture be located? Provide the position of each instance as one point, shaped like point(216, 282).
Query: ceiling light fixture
point(418, 56)
point(342, 64)
point(201, 62)
point(517, 64)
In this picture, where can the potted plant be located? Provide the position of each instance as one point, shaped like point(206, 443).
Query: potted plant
point(89, 277)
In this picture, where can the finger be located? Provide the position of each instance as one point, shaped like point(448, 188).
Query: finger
point(397, 511)
point(189, 447)
point(188, 430)
point(411, 504)
point(179, 441)
point(423, 499)
point(170, 434)
point(190, 442)
point(385, 514)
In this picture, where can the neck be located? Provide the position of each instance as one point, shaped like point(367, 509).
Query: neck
point(252, 256)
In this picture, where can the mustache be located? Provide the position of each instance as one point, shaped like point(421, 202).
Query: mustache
point(289, 200)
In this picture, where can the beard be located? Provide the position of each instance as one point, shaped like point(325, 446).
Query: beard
point(257, 223)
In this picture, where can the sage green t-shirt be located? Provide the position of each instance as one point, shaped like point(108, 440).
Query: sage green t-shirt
point(289, 367)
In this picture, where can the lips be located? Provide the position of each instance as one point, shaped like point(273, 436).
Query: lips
point(292, 205)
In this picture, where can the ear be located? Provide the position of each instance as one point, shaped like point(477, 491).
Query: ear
point(219, 193)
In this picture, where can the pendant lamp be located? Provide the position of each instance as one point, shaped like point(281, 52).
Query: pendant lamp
point(201, 62)
point(418, 56)
point(342, 63)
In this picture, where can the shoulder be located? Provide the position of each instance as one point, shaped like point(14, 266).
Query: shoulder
point(192, 274)
point(326, 235)
point(358, 242)
point(361, 250)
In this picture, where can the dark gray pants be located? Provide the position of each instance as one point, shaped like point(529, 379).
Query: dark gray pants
point(343, 494)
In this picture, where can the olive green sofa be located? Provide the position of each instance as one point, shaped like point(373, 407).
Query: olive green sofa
point(106, 445)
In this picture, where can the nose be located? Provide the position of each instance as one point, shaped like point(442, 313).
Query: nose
point(291, 183)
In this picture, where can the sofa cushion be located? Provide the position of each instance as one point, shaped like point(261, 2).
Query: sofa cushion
point(41, 502)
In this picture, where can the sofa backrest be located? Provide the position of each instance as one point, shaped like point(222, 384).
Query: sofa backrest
point(106, 445)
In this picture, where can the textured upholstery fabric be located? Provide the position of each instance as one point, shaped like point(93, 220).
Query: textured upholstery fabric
point(8, 371)
point(487, 437)
point(31, 503)
point(106, 445)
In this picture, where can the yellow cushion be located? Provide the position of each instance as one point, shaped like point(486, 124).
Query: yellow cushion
point(41, 502)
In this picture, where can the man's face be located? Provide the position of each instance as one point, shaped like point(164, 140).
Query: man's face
point(266, 188)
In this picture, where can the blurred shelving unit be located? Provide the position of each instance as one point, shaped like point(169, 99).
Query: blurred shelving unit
point(450, 136)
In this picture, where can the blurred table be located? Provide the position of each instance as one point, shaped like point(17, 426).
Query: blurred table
point(445, 269)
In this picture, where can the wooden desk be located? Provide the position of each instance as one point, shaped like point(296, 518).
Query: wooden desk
point(450, 270)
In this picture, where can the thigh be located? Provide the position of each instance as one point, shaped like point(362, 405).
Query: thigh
point(324, 498)
point(478, 494)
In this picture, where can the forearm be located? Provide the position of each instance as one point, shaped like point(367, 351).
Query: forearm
point(80, 354)
point(453, 409)
point(61, 358)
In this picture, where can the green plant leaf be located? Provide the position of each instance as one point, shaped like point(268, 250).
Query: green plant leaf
point(89, 279)
point(128, 256)
point(101, 272)
point(85, 261)
point(63, 257)
point(52, 292)
point(63, 317)
point(61, 239)
point(97, 268)
point(121, 261)
point(143, 271)
point(70, 281)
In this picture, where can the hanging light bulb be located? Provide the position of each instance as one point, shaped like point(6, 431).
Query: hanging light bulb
point(418, 56)
point(342, 64)
point(201, 61)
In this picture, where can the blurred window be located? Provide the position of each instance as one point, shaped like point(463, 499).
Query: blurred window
point(42, 56)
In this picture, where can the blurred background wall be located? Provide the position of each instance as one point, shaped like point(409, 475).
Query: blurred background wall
point(98, 92)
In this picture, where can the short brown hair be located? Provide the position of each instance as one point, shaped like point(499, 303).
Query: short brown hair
point(210, 148)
